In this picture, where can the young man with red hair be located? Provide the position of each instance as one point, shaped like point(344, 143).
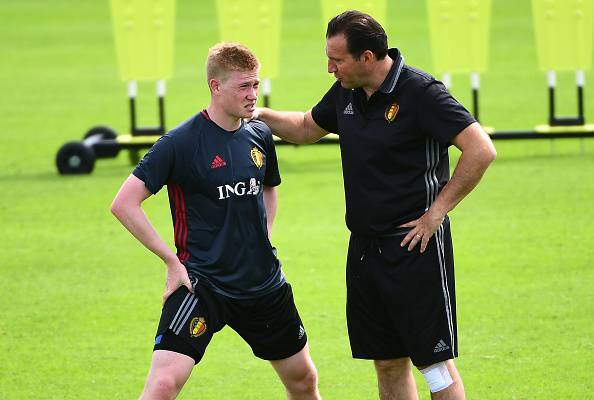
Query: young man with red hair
point(221, 173)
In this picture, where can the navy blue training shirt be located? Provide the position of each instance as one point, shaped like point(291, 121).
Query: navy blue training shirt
point(215, 181)
point(394, 145)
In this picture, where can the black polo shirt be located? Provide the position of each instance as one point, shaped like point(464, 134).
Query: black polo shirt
point(394, 145)
point(215, 182)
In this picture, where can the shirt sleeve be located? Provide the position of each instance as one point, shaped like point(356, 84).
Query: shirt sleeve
point(324, 113)
point(440, 115)
point(156, 166)
point(272, 175)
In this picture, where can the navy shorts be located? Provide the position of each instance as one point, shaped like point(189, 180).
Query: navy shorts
point(270, 324)
point(401, 303)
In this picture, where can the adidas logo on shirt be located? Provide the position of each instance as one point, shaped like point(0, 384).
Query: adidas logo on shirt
point(349, 109)
point(440, 346)
point(218, 162)
point(301, 331)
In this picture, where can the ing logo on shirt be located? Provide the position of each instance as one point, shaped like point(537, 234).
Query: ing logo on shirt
point(239, 189)
point(257, 157)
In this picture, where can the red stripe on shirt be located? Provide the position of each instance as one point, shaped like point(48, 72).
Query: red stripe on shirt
point(183, 232)
point(205, 113)
point(173, 200)
point(184, 225)
point(180, 223)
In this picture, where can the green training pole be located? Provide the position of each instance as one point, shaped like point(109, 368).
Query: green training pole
point(143, 33)
point(459, 34)
point(256, 25)
point(563, 32)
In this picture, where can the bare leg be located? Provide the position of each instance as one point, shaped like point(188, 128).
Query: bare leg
point(168, 374)
point(299, 376)
point(395, 379)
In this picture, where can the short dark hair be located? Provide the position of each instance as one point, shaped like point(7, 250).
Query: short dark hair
point(361, 31)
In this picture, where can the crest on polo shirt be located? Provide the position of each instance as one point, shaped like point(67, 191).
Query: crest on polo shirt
point(197, 326)
point(257, 157)
point(391, 112)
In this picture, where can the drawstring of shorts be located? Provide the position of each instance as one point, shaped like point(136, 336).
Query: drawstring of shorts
point(370, 245)
point(374, 241)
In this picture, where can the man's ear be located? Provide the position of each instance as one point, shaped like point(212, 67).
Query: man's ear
point(368, 56)
point(214, 85)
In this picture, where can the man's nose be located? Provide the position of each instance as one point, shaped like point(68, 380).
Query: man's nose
point(331, 67)
point(253, 94)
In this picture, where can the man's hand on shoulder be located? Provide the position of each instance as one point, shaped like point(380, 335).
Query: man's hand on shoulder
point(257, 113)
point(292, 126)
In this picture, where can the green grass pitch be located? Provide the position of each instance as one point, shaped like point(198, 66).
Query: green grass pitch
point(79, 298)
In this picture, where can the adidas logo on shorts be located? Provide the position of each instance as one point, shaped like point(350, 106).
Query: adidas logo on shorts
point(301, 332)
point(349, 109)
point(440, 346)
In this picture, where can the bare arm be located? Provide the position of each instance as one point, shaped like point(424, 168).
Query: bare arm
point(270, 204)
point(477, 153)
point(127, 209)
point(292, 126)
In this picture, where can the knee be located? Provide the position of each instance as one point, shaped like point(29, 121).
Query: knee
point(304, 382)
point(397, 366)
point(162, 387)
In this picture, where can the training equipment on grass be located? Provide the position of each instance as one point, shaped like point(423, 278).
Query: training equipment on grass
point(563, 33)
point(459, 31)
point(143, 36)
point(256, 25)
point(564, 41)
point(459, 34)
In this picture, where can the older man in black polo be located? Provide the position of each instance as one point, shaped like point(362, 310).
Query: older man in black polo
point(395, 125)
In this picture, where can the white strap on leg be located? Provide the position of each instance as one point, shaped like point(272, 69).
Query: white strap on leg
point(437, 376)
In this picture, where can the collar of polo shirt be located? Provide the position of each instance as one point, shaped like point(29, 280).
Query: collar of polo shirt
point(392, 78)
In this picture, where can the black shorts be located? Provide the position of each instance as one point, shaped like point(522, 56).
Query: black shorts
point(269, 324)
point(401, 303)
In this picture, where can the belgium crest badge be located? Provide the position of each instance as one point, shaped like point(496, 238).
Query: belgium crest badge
point(257, 157)
point(197, 326)
point(391, 112)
